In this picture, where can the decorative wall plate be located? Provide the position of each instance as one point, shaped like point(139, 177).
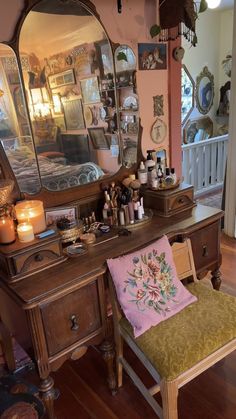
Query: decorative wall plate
point(131, 102)
point(158, 131)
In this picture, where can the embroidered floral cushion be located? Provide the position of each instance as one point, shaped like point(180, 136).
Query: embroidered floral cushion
point(147, 285)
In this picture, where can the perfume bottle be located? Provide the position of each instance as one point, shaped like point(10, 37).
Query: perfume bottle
point(142, 174)
point(168, 178)
point(173, 175)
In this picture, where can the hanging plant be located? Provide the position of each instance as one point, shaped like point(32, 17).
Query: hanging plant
point(187, 13)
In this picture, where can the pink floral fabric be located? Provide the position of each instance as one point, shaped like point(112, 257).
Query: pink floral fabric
point(147, 285)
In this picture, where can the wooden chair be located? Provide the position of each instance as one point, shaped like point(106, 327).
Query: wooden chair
point(183, 346)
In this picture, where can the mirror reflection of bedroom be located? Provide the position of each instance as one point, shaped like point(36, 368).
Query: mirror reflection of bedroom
point(205, 90)
point(68, 75)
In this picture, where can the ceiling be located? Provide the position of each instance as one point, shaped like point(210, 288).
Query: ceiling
point(226, 4)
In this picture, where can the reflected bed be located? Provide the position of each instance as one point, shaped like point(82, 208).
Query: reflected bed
point(55, 176)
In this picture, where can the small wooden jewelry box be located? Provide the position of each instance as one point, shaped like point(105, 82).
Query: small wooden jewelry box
point(18, 260)
point(169, 202)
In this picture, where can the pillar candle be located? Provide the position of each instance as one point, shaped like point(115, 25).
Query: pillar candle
point(25, 232)
point(7, 230)
point(32, 212)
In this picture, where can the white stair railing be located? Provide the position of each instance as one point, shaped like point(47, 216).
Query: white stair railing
point(203, 163)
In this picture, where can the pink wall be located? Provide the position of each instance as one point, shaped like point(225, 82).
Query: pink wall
point(131, 27)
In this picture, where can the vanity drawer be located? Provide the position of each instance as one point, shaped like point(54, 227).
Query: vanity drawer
point(180, 201)
point(71, 318)
point(205, 245)
point(33, 260)
point(170, 202)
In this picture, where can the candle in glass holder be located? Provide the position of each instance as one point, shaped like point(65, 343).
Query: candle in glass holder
point(7, 229)
point(25, 232)
point(32, 212)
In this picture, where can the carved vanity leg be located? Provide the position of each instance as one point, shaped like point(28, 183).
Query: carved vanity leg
point(107, 349)
point(48, 395)
point(216, 279)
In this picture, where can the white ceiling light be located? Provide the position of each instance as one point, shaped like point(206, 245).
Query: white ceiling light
point(212, 4)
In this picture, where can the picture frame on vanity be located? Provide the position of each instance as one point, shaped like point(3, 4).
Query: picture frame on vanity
point(98, 138)
point(53, 215)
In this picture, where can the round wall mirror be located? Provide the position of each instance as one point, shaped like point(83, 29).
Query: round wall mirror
point(187, 94)
point(204, 91)
point(69, 81)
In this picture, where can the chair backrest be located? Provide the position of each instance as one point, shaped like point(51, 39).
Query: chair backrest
point(183, 258)
point(184, 262)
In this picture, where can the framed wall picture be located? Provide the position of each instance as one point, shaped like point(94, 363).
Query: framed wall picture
point(152, 56)
point(98, 138)
point(73, 112)
point(53, 215)
point(90, 90)
point(61, 79)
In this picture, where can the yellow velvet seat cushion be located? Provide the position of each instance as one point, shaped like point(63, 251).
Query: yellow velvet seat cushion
point(180, 342)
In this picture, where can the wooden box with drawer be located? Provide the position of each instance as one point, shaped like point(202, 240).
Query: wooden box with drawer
point(19, 260)
point(170, 202)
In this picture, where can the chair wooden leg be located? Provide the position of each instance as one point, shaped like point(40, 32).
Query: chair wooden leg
point(119, 366)
point(7, 347)
point(169, 394)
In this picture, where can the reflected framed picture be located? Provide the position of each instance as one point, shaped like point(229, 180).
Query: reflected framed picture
point(53, 215)
point(98, 138)
point(90, 90)
point(73, 112)
point(61, 79)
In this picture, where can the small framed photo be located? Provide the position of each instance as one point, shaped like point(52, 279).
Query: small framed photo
point(98, 138)
point(53, 215)
point(61, 79)
point(152, 56)
point(90, 90)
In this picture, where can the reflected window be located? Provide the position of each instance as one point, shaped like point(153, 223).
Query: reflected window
point(187, 94)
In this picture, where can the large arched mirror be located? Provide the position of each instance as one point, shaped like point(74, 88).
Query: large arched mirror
point(15, 134)
point(70, 88)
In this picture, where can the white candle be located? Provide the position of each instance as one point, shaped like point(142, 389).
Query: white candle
point(32, 212)
point(7, 230)
point(25, 232)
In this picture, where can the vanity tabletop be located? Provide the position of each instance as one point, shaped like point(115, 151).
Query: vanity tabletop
point(75, 272)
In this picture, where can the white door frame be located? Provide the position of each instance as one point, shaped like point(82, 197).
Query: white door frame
point(230, 195)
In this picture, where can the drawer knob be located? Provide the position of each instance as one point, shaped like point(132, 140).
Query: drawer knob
point(74, 323)
point(205, 251)
point(38, 258)
point(181, 200)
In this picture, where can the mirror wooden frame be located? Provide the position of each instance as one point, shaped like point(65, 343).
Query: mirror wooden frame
point(82, 192)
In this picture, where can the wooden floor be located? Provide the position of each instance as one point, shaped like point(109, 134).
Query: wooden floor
point(212, 395)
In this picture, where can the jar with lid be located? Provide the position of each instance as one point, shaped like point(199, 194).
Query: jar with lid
point(7, 228)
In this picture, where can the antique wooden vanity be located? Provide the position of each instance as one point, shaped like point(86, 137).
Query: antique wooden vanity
point(54, 304)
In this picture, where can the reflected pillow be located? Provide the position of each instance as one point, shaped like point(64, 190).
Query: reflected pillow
point(147, 285)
